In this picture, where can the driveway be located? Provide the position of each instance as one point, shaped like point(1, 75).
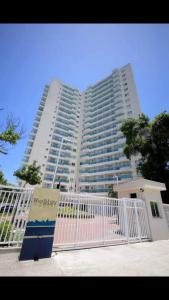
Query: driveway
point(141, 259)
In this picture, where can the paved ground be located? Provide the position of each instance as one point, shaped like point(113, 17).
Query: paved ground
point(142, 259)
point(97, 228)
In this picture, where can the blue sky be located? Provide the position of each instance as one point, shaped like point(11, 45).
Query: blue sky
point(31, 55)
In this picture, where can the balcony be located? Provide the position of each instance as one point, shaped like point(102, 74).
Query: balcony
point(61, 179)
point(63, 172)
point(101, 151)
point(100, 129)
point(106, 119)
point(65, 116)
point(102, 108)
point(105, 171)
point(68, 106)
point(63, 133)
point(32, 137)
point(100, 155)
point(100, 146)
point(100, 161)
point(101, 99)
point(106, 180)
point(109, 97)
point(63, 121)
point(103, 129)
point(63, 127)
point(102, 136)
point(66, 111)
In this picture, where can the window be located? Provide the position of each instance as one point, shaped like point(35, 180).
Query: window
point(130, 113)
point(126, 94)
point(133, 195)
point(154, 209)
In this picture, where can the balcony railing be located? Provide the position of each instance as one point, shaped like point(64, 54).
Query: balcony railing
point(103, 151)
point(100, 145)
point(108, 105)
point(99, 170)
point(124, 176)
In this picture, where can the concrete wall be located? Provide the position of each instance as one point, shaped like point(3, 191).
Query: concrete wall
point(126, 194)
point(158, 226)
point(148, 191)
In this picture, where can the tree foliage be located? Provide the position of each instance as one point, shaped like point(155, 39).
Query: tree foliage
point(10, 134)
point(29, 173)
point(2, 179)
point(112, 193)
point(150, 139)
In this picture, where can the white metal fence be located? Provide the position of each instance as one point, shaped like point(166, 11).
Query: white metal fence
point(88, 221)
point(166, 211)
point(82, 220)
point(14, 210)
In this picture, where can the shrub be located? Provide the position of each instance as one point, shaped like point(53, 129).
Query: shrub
point(5, 230)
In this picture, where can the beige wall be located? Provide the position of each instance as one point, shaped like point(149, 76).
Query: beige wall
point(151, 192)
point(158, 226)
point(126, 194)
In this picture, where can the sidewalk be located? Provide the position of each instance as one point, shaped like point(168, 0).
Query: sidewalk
point(142, 259)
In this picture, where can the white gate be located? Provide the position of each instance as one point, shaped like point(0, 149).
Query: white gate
point(82, 220)
point(89, 221)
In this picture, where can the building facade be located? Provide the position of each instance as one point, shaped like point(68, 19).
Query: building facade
point(76, 137)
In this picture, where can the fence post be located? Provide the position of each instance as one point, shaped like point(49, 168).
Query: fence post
point(77, 216)
point(137, 220)
point(103, 223)
point(125, 220)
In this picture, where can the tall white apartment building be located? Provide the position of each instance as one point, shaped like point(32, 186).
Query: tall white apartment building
point(76, 137)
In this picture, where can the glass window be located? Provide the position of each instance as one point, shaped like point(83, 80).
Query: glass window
point(154, 209)
point(133, 195)
point(129, 113)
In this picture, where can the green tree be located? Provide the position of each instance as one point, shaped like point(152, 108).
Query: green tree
point(2, 179)
point(10, 134)
point(112, 193)
point(149, 139)
point(29, 173)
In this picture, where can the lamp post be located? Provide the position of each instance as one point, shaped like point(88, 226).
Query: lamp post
point(117, 179)
point(60, 148)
